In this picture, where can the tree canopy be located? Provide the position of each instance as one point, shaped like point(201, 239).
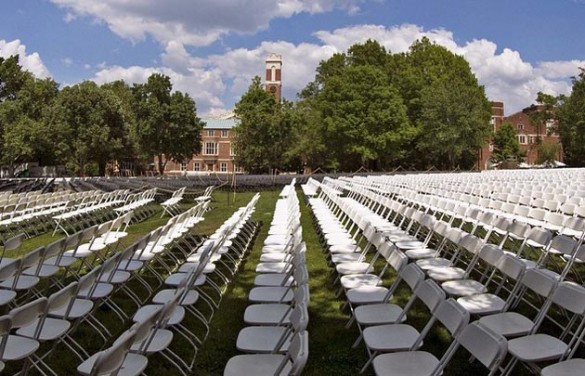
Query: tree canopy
point(506, 145)
point(84, 126)
point(572, 122)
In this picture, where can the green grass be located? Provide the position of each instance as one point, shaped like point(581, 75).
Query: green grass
point(329, 341)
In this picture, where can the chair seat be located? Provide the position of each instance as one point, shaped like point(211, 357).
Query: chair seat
point(25, 282)
point(272, 267)
point(409, 244)
point(51, 330)
point(267, 314)
point(482, 304)
point(345, 257)
point(508, 324)
point(255, 365)
point(411, 363)
point(100, 291)
point(18, 347)
point(177, 278)
point(569, 367)
point(271, 294)
point(160, 341)
point(357, 280)
point(378, 314)
point(390, 338)
point(133, 365)
point(44, 271)
point(273, 279)
point(537, 347)
point(463, 287)
point(164, 296)
point(344, 248)
point(274, 257)
point(6, 296)
point(354, 268)
point(431, 263)
point(367, 295)
point(446, 273)
point(420, 253)
point(261, 339)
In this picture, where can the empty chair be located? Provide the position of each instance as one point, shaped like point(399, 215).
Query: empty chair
point(487, 347)
point(290, 363)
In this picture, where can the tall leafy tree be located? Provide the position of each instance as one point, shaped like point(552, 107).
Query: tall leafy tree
point(454, 124)
point(167, 126)
point(572, 122)
point(365, 119)
point(93, 123)
point(24, 103)
point(263, 134)
point(506, 145)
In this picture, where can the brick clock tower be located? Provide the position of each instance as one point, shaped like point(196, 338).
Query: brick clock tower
point(273, 77)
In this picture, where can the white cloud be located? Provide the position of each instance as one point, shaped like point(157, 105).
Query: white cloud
point(196, 23)
point(67, 61)
point(30, 62)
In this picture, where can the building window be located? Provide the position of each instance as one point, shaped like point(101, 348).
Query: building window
point(196, 166)
point(183, 166)
point(522, 139)
point(223, 167)
point(531, 139)
point(210, 148)
point(520, 127)
point(238, 169)
point(210, 133)
point(224, 133)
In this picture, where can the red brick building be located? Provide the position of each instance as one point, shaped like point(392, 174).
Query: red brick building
point(217, 151)
point(527, 133)
point(217, 154)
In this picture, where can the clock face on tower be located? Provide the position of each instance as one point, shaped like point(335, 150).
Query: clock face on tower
point(273, 89)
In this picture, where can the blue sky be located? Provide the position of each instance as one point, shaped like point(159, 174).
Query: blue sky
point(212, 48)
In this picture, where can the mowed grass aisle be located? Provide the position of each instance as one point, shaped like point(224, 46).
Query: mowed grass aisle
point(329, 342)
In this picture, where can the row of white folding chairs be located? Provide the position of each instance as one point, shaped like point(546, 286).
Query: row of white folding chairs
point(311, 187)
point(276, 340)
point(370, 293)
point(91, 205)
point(191, 275)
point(506, 226)
point(170, 205)
point(138, 203)
point(475, 303)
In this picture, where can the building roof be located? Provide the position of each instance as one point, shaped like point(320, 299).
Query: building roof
point(220, 123)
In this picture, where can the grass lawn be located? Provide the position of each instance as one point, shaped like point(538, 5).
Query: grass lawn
point(329, 341)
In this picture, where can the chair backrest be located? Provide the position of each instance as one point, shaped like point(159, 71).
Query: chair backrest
point(412, 275)
point(27, 313)
point(109, 361)
point(14, 242)
point(539, 237)
point(431, 294)
point(55, 248)
point(298, 352)
point(452, 315)
point(541, 283)
point(9, 269)
point(563, 244)
point(486, 346)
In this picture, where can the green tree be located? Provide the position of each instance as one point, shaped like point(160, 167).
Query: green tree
point(93, 123)
point(365, 119)
point(263, 134)
point(548, 153)
point(454, 124)
point(506, 145)
point(542, 113)
point(167, 126)
point(572, 122)
point(24, 104)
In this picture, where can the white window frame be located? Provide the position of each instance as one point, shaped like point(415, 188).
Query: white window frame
point(196, 166)
point(522, 139)
point(210, 133)
point(225, 133)
point(206, 149)
point(184, 166)
point(223, 167)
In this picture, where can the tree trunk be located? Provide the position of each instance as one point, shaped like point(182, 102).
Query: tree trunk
point(161, 165)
